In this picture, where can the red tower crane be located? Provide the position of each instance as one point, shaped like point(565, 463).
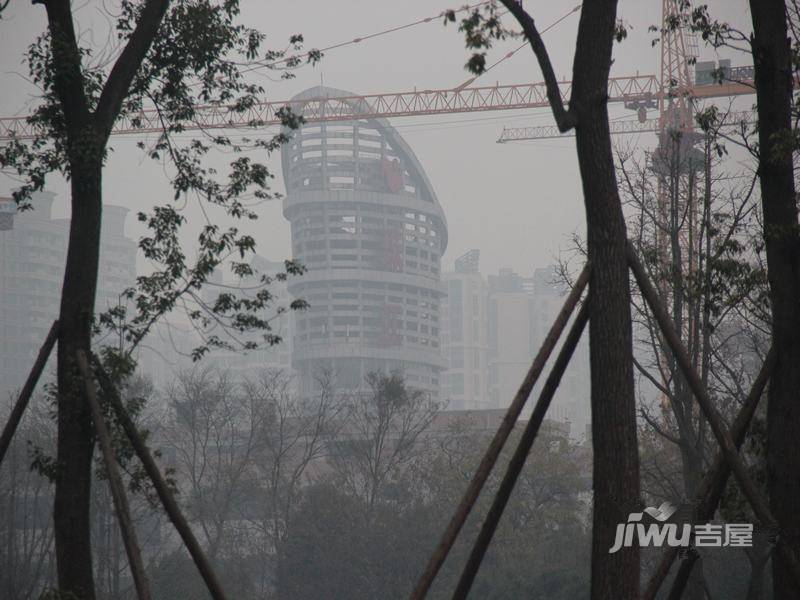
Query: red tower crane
point(640, 92)
point(676, 89)
point(628, 90)
point(672, 93)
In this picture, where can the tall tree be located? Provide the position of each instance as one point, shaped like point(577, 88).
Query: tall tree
point(173, 55)
point(295, 442)
point(385, 422)
point(775, 60)
point(333, 551)
point(616, 460)
point(216, 435)
point(694, 235)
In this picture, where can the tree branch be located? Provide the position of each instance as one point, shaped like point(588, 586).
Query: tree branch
point(67, 75)
point(658, 429)
point(652, 379)
point(128, 63)
point(565, 119)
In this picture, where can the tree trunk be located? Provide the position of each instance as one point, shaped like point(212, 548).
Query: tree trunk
point(773, 78)
point(759, 556)
point(75, 434)
point(86, 131)
point(616, 459)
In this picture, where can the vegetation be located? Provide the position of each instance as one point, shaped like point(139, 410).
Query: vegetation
point(172, 56)
point(341, 494)
point(284, 495)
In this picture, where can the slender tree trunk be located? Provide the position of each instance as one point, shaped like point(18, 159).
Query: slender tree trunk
point(616, 459)
point(692, 475)
point(75, 435)
point(759, 556)
point(773, 78)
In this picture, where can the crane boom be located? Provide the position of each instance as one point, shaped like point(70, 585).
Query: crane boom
point(739, 83)
point(634, 89)
point(545, 132)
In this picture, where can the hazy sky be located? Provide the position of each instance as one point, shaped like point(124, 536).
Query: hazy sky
point(518, 202)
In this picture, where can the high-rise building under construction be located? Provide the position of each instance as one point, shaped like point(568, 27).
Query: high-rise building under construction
point(366, 223)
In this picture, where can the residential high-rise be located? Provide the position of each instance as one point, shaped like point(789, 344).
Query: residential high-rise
point(510, 328)
point(465, 341)
point(521, 312)
point(366, 223)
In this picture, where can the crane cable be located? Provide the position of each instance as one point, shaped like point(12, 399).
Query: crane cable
point(513, 52)
point(357, 40)
point(465, 8)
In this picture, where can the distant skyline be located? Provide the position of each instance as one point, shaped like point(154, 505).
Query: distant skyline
point(518, 202)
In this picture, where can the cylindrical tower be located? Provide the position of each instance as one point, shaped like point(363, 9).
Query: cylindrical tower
point(367, 225)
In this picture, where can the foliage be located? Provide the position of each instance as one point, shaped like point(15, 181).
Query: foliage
point(340, 546)
point(385, 422)
point(481, 28)
point(325, 538)
point(199, 57)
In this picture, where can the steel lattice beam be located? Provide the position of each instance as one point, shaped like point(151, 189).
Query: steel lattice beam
point(638, 88)
point(544, 132)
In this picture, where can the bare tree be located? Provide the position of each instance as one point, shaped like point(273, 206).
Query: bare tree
point(294, 444)
point(215, 435)
point(692, 223)
point(242, 452)
point(383, 432)
point(774, 48)
point(698, 248)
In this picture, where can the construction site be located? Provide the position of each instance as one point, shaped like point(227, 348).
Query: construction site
point(314, 302)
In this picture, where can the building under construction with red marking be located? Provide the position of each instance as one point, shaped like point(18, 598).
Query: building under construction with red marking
point(366, 223)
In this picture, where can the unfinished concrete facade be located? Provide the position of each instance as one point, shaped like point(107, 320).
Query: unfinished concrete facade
point(366, 223)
